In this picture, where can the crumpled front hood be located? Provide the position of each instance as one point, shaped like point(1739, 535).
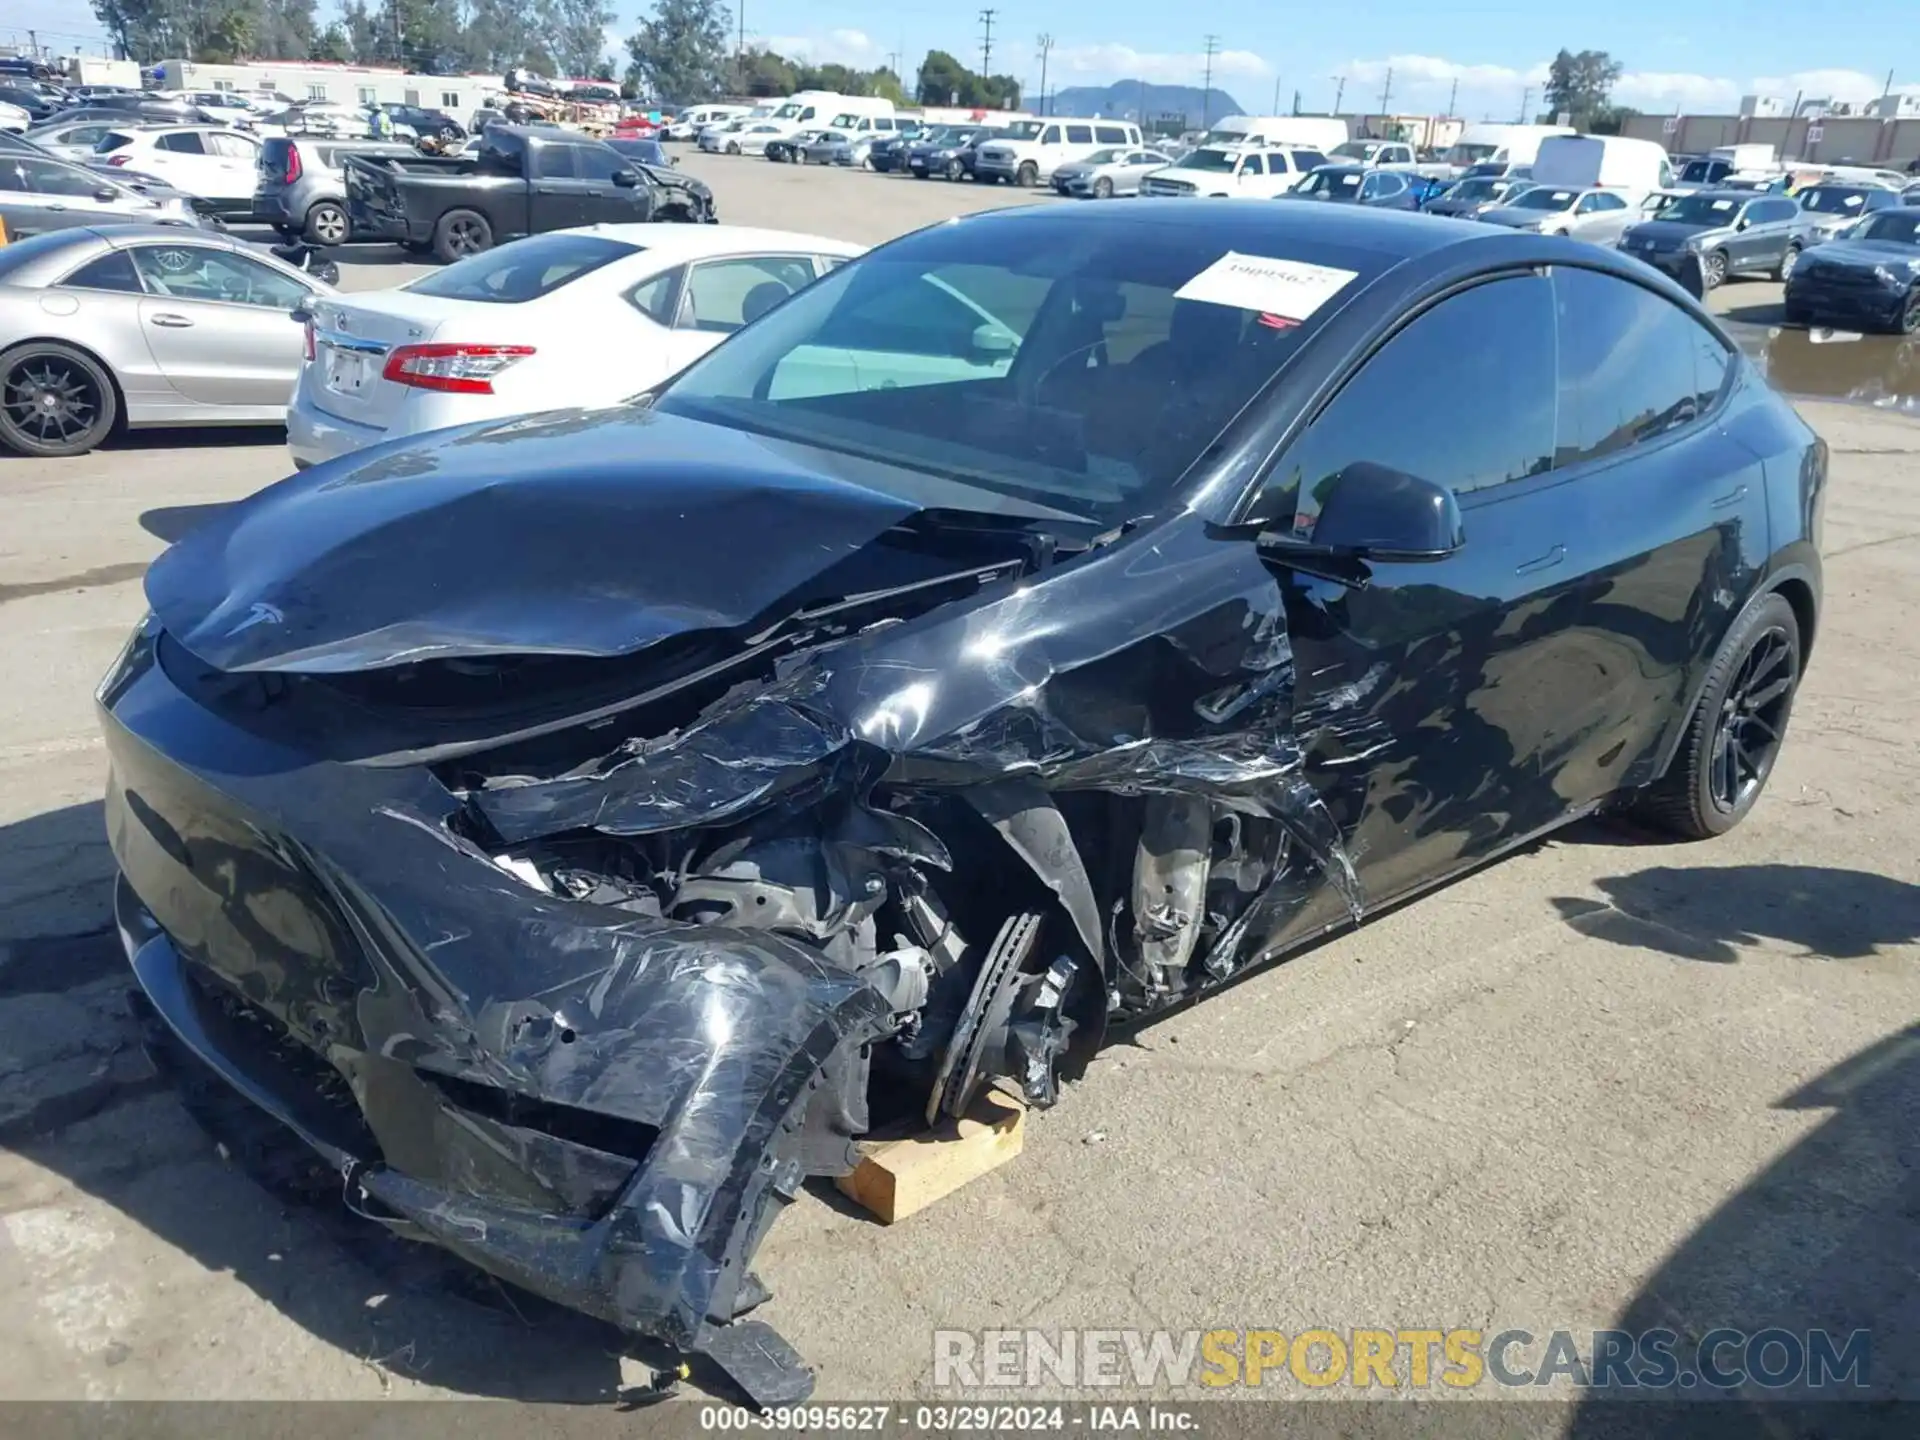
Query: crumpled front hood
point(577, 533)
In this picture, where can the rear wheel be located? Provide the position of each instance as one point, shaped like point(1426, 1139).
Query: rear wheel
point(326, 224)
point(1734, 734)
point(461, 233)
point(1789, 258)
point(55, 400)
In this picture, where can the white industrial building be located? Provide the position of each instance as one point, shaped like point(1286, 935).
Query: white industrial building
point(458, 95)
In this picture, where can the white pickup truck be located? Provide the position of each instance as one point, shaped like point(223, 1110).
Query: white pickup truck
point(1251, 172)
point(1388, 155)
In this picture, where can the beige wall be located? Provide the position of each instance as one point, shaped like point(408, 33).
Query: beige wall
point(1862, 139)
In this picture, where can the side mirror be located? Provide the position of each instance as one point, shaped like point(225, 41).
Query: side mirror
point(106, 196)
point(1371, 513)
point(993, 343)
point(1741, 223)
point(625, 179)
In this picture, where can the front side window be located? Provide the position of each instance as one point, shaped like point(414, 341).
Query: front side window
point(601, 163)
point(1487, 352)
point(525, 270)
point(48, 177)
point(1632, 365)
point(233, 147)
point(198, 272)
point(554, 162)
point(1050, 136)
point(723, 295)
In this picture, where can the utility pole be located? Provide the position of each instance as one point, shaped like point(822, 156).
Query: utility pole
point(1276, 96)
point(1206, 87)
point(1452, 96)
point(1339, 89)
point(1046, 48)
point(986, 43)
point(1386, 93)
point(1525, 95)
point(740, 54)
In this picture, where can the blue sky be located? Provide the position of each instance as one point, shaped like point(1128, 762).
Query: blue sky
point(1699, 57)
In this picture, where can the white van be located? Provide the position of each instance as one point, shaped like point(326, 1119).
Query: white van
point(1034, 149)
point(1631, 168)
point(1308, 132)
point(864, 117)
point(811, 109)
point(689, 125)
point(1243, 172)
point(1502, 145)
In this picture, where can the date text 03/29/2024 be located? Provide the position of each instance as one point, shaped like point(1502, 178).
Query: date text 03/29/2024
point(949, 1418)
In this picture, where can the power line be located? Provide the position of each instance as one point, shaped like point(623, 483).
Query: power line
point(986, 42)
point(1206, 85)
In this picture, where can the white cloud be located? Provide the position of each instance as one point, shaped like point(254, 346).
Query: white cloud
point(1123, 62)
point(1429, 70)
point(837, 47)
point(1821, 85)
point(1655, 90)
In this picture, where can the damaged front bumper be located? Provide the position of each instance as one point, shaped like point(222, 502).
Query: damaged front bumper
point(606, 1109)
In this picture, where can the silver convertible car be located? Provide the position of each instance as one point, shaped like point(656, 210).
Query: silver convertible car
point(138, 325)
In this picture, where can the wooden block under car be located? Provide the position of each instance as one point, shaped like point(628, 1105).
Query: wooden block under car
point(897, 1177)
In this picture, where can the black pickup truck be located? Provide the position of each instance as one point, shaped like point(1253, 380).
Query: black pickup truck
point(522, 180)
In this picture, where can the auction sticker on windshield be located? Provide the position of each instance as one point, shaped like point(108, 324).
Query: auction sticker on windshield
point(1291, 288)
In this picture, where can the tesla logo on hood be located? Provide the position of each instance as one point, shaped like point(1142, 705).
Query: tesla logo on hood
point(260, 613)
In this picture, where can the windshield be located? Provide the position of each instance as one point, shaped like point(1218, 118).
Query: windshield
point(1481, 188)
point(1470, 154)
point(788, 112)
point(1545, 197)
point(525, 270)
point(1336, 184)
point(1698, 172)
point(1066, 372)
point(1022, 130)
point(1355, 150)
point(1832, 199)
point(1100, 157)
point(1900, 226)
point(1221, 161)
point(1702, 210)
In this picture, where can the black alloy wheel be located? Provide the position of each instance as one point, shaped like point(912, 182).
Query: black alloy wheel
point(54, 401)
point(1734, 735)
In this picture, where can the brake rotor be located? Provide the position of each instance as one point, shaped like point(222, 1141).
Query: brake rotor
point(985, 1016)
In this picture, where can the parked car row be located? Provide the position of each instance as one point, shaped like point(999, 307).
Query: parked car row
point(107, 328)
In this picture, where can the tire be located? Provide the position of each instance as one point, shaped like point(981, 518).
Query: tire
point(1027, 176)
point(1909, 321)
point(956, 171)
point(1103, 189)
point(461, 233)
point(1734, 735)
point(55, 400)
point(733, 147)
point(327, 224)
point(1713, 269)
point(1789, 258)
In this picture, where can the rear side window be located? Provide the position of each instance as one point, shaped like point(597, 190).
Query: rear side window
point(1110, 134)
point(524, 270)
point(112, 271)
point(1486, 352)
point(184, 142)
point(1079, 134)
point(1632, 365)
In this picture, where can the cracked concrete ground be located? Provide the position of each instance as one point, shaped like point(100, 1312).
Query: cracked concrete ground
point(1605, 1080)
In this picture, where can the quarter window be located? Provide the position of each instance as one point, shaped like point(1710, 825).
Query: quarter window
point(112, 271)
point(654, 298)
point(1413, 407)
point(1632, 365)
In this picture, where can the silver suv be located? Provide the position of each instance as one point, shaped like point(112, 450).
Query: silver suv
point(300, 190)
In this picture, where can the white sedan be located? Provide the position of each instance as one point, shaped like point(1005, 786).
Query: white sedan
point(587, 317)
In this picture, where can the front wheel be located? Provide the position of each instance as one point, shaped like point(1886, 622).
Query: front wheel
point(54, 400)
point(1103, 189)
point(461, 233)
point(955, 170)
point(1713, 269)
point(1734, 735)
point(1027, 176)
point(1910, 313)
point(733, 148)
point(1789, 258)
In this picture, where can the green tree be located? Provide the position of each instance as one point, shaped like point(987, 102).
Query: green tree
point(764, 73)
point(680, 55)
point(286, 30)
point(945, 81)
point(333, 43)
point(1578, 86)
point(576, 34)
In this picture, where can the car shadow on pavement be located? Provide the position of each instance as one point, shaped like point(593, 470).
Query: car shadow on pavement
point(171, 522)
point(1826, 1238)
point(79, 1098)
point(1708, 913)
